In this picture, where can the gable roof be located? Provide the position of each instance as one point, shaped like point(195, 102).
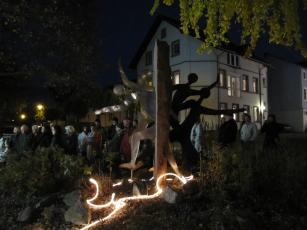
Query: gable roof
point(158, 20)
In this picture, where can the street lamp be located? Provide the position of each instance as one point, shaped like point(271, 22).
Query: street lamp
point(23, 116)
point(40, 107)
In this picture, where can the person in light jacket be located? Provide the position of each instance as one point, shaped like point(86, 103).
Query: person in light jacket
point(248, 132)
point(196, 136)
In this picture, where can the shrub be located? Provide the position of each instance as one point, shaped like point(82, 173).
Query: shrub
point(45, 171)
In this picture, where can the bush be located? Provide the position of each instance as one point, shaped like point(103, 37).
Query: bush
point(45, 171)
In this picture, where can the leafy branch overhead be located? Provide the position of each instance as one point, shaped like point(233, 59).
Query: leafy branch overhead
point(279, 19)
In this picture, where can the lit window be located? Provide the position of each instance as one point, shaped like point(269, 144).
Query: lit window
point(245, 83)
point(256, 114)
point(233, 86)
point(222, 78)
point(246, 109)
point(175, 48)
point(176, 77)
point(235, 115)
point(255, 85)
point(163, 33)
point(223, 106)
point(148, 58)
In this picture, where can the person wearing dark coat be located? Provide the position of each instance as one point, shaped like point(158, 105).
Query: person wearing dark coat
point(35, 137)
point(271, 129)
point(71, 140)
point(57, 138)
point(228, 131)
point(24, 141)
point(45, 137)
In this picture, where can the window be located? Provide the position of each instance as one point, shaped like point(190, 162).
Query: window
point(148, 58)
point(263, 83)
point(304, 75)
point(176, 77)
point(223, 106)
point(256, 114)
point(163, 33)
point(222, 78)
point(175, 48)
point(235, 115)
point(246, 109)
point(245, 83)
point(232, 59)
point(255, 85)
point(233, 86)
point(305, 94)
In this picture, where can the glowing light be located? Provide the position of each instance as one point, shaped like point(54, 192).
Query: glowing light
point(262, 108)
point(130, 181)
point(121, 202)
point(23, 116)
point(117, 184)
point(97, 112)
point(40, 106)
point(134, 96)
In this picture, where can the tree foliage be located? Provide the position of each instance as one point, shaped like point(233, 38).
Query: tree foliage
point(279, 19)
point(54, 38)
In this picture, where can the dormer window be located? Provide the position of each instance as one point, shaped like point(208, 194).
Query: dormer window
point(233, 59)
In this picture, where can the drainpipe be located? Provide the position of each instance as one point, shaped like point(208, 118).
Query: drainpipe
point(218, 85)
point(260, 96)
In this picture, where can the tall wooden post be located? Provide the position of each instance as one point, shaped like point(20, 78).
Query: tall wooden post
point(163, 86)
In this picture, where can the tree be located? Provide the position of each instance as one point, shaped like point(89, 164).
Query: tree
point(52, 38)
point(279, 19)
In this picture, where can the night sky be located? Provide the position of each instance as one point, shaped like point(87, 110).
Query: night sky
point(122, 25)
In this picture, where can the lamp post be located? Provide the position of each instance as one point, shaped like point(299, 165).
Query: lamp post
point(40, 112)
point(23, 116)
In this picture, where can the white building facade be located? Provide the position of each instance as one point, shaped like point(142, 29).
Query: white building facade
point(288, 92)
point(243, 81)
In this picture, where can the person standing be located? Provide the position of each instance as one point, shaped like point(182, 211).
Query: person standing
point(125, 147)
point(45, 137)
point(93, 143)
point(24, 144)
point(271, 129)
point(248, 132)
point(57, 138)
point(103, 135)
point(228, 131)
point(113, 129)
point(71, 140)
point(82, 141)
point(35, 137)
point(197, 136)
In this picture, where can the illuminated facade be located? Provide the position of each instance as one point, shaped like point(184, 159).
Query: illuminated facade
point(243, 81)
point(288, 92)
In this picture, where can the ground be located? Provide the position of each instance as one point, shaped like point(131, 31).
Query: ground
point(271, 195)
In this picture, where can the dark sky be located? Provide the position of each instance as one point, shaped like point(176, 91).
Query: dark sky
point(122, 26)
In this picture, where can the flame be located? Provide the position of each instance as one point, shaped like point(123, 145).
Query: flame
point(121, 202)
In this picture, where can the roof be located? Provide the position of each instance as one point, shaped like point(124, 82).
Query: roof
point(303, 63)
point(159, 19)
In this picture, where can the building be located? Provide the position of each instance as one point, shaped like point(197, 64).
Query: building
point(288, 92)
point(243, 81)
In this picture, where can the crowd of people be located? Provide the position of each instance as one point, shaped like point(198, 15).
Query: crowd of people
point(90, 142)
point(94, 140)
point(248, 131)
